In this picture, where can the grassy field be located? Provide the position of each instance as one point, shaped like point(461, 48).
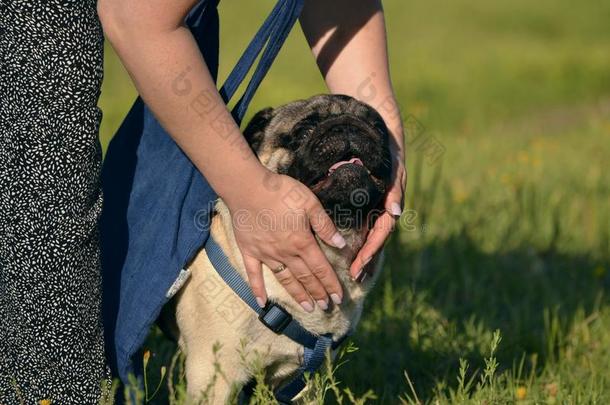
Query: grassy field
point(509, 231)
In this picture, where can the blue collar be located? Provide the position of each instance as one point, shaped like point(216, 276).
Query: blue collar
point(276, 318)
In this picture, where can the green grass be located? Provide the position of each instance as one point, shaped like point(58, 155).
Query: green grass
point(509, 231)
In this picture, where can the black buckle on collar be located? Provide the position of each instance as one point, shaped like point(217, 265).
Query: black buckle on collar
point(275, 317)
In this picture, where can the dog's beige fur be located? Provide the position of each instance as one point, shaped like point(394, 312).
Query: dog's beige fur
point(208, 312)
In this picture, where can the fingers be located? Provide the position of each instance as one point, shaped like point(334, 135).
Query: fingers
point(292, 285)
point(302, 278)
point(324, 227)
point(395, 196)
point(320, 269)
point(255, 278)
point(306, 276)
point(393, 202)
point(310, 282)
point(384, 225)
point(374, 242)
point(295, 278)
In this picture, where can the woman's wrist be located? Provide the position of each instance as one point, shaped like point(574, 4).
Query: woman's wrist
point(243, 180)
point(393, 120)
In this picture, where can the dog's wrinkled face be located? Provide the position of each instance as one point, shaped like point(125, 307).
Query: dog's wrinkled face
point(335, 145)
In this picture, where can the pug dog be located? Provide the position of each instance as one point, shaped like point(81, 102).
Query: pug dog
point(339, 148)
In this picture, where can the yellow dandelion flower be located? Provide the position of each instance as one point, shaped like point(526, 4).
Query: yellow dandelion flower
point(521, 393)
point(44, 402)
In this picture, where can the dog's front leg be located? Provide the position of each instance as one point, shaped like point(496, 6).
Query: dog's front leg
point(210, 383)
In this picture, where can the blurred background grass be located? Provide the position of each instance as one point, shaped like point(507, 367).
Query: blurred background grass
point(509, 230)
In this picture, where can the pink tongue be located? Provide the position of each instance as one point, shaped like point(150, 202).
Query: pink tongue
point(354, 161)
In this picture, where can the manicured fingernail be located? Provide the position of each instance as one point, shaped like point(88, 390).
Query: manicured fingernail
point(396, 210)
point(336, 299)
point(307, 306)
point(358, 277)
point(322, 304)
point(260, 302)
point(338, 240)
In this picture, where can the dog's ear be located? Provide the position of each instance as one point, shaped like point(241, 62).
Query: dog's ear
point(255, 130)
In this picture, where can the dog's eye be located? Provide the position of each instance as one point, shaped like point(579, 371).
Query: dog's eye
point(299, 133)
point(307, 125)
point(305, 129)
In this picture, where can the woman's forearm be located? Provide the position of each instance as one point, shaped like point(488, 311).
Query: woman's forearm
point(170, 74)
point(348, 39)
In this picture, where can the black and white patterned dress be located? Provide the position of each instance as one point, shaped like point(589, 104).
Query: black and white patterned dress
point(51, 344)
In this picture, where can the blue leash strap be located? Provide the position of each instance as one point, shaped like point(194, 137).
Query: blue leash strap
point(278, 37)
point(312, 362)
point(276, 318)
point(247, 59)
point(273, 315)
point(271, 36)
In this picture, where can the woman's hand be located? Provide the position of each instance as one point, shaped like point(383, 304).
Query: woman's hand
point(385, 223)
point(274, 227)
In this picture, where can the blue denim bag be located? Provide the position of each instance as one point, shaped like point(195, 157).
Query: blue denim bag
point(156, 203)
